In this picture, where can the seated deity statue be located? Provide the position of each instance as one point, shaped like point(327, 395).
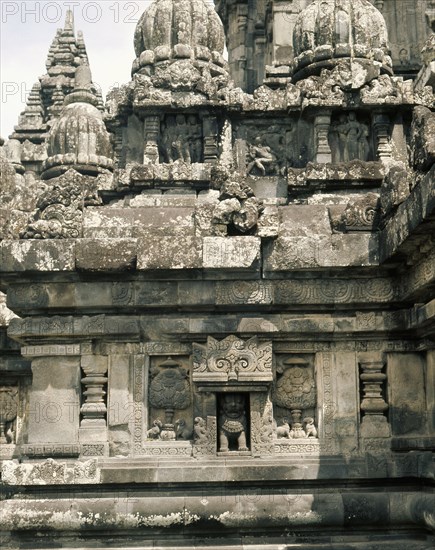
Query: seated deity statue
point(232, 422)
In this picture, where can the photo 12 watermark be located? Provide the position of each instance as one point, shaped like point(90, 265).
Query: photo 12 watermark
point(55, 12)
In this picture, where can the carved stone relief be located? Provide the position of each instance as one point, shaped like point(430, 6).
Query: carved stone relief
point(204, 436)
point(294, 396)
point(233, 423)
point(232, 360)
point(181, 139)
point(169, 395)
point(349, 138)
point(268, 148)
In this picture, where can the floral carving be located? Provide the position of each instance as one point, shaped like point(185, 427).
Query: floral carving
point(232, 359)
point(169, 390)
point(60, 207)
point(295, 390)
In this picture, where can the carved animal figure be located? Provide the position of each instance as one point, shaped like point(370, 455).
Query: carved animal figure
point(232, 422)
point(284, 430)
point(181, 430)
point(310, 429)
point(154, 432)
point(199, 430)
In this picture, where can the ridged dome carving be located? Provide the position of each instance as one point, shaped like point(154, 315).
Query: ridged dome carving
point(79, 138)
point(329, 30)
point(174, 29)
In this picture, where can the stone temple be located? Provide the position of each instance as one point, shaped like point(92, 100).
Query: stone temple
point(218, 286)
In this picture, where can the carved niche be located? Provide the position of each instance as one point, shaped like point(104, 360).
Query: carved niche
point(232, 360)
point(237, 374)
point(349, 138)
point(181, 139)
point(269, 147)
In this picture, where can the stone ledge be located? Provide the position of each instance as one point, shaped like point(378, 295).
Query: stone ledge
point(37, 255)
point(217, 512)
point(313, 252)
point(418, 208)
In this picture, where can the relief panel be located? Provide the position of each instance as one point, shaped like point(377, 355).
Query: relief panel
point(349, 138)
point(181, 139)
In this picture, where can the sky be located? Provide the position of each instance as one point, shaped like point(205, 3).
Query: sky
point(27, 29)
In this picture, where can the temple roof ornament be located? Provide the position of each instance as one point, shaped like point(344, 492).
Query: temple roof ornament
point(79, 139)
point(66, 53)
point(171, 30)
point(328, 31)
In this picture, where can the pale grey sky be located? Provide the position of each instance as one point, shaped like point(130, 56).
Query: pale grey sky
point(28, 28)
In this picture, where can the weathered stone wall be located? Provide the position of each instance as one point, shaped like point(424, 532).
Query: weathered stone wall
point(219, 313)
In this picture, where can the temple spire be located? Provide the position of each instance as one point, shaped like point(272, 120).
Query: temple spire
point(69, 20)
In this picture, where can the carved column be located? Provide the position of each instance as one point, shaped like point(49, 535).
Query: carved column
point(210, 132)
point(374, 426)
point(381, 125)
point(93, 424)
point(323, 152)
point(151, 136)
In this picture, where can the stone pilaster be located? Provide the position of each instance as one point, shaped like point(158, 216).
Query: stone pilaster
point(322, 124)
point(381, 125)
point(54, 401)
point(151, 136)
point(375, 429)
point(93, 424)
point(210, 131)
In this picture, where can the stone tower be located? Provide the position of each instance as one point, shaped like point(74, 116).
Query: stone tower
point(217, 322)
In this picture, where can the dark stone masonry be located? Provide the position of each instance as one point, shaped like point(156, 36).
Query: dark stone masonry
point(217, 307)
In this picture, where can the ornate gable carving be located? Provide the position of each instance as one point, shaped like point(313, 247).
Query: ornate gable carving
point(232, 360)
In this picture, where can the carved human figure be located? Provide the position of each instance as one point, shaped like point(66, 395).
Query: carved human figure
point(354, 133)
point(261, 155)
point(232, 422)
point(194, 139)
point(177, 139)
point(180, 143)
point(341, 131)
point(351, 138)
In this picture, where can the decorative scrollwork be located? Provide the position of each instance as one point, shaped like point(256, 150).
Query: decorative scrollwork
point(232, 359)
